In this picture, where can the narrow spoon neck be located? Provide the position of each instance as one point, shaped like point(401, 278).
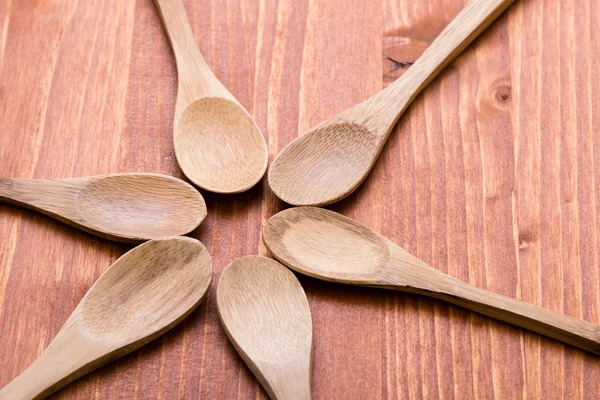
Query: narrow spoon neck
point(70, 351)
point(475, 17)
point(56, 198)
point(5, 187)
point(194, 75)
point(423, 279)
point(178, 29)
point(19, 191)
point(291, 382)
point(38, 193)
point(387, 106)
point(295, 393)
point(405, 272)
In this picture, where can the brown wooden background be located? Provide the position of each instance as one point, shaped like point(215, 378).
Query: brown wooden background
point(493, 176)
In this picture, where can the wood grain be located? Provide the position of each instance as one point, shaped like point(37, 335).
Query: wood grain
point(217, 143)
point(329, 161)
point(491, 175)
point(145, 293)
point(129, 208)
point(266, 316)
point(326, 245)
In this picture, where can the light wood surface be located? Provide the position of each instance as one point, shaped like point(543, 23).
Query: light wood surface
point(331, 160)
point(218, 145)
point(491, 175)
point(326, 245)
point(123, 207)
point(266, 315)
point(141, 296)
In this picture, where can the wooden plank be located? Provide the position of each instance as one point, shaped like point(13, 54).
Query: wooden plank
point(336, 74)
point(491, 176)
point(496, 205)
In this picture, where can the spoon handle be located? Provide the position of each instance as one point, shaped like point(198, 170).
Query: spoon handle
point(29, 193)
point(423, 279)
point(66, 358)
point(391, 102)
point(6, 185)
point(51, 197)
point(195, 76)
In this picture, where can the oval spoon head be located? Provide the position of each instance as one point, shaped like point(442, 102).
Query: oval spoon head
point(329, 246)
point(326, 245)
point(266, 316)
point(219, 147)
point(330, 161)
point(141, 296)
point(217, 144)
point(325, 164)
point(147, 291)
point(139, 207)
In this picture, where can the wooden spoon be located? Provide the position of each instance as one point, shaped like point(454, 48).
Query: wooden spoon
point(266, 316)
point(124, 207)
point(332, 159)
point(141, 296)
point(217, 144)
point(329, 246)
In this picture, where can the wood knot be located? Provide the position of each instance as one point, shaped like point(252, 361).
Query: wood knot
point(502, 94)
point(398, 64)
point(526, 238)
point(399, 54)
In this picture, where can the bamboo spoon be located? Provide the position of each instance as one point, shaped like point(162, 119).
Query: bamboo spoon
point(217, 144)
point(266, 316)
point(141, 296)
point(329, 246)
point(332, 159)
point(124, 207)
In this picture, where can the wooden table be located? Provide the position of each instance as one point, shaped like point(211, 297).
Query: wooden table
point(493, 176)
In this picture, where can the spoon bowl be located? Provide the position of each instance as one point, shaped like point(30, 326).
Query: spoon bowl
point(125, 207)
point(147, 290)
point(141, 296)
point(331, 160)
point(266, 316)
point(217, 144)
point(226, 140)
point(326, 245)
point(312, 171)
